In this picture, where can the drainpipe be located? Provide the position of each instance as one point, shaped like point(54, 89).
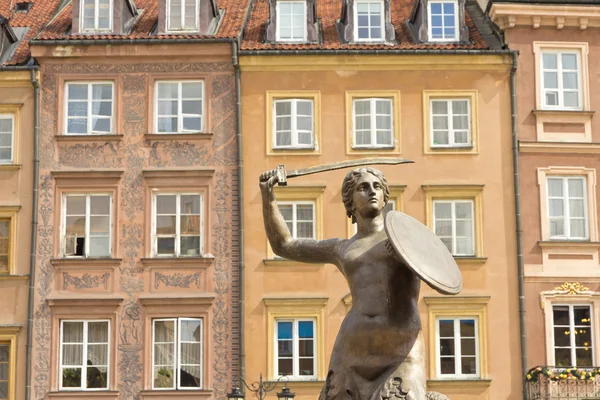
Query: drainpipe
point(238, 120)
point(34, 223)
point(519, 228)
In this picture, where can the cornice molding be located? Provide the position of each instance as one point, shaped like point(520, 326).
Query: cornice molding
point(551, 15)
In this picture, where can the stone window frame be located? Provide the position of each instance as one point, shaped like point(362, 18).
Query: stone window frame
point(555, 115)
point(177, 305)
point(79, 182)
point(567, 171)
point(82, 308)
point(298, 193)
point(569, 293)
point(396, 195)
point(459, 192)
point(61, 123)
point(289, 308)
point(207, 126)
point(174, 181)
point(457, 307)
point(274, 95)
point(14, 110)
point(11, 214)
point(396, 147)
point(473, 97)
point(9, 335)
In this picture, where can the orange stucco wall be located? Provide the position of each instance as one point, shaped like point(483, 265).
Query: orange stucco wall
point(492, 167)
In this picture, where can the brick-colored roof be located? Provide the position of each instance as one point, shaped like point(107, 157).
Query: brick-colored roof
point(234, 12)
point(328, 11)
point(40, 13)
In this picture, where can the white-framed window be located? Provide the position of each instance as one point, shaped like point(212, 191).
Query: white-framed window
point(373, 122)
point(96, 15)
point(450, 123)
point(443, 20)
point(177, 224)
point(177, 353)
point(84, 354)
point(87, 225)
point(179, 106)
point(291, 21)
point(567, 208)
point(182, 15)
point(572, 335)
point(300, 218)
point(296, 348)
point(293, 123)
point(368, 20)
point(457, 344)
point(391, 205)
point(7, 138)
point(453, 223)
point(89, 108)
point(561, 79)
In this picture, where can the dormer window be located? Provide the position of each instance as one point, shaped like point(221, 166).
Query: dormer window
point(96, 15)
point(368, 17)
point(291, 21)
point(443, 20)
point(182, 15)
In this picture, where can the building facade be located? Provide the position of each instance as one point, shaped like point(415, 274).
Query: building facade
point(325, 81)
point(137, 269)
point(19, 22)
point(558, 92)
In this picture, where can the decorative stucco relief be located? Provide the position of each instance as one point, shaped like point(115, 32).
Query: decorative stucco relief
point(176, 280)
point(86, 281)
point(133, 154)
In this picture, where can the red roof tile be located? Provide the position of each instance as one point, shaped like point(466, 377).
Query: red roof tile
point(328, 11)
point(39, 15)
point(229, 27)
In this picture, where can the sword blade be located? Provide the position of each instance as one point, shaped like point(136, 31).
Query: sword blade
point(347, 164)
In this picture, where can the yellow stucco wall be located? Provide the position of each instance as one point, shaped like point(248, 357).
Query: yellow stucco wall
point(332, 77)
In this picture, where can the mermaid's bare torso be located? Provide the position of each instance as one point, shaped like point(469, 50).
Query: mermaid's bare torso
point(383, 324)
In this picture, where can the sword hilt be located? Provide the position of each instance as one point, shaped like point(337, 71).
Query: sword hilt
point(281, 175)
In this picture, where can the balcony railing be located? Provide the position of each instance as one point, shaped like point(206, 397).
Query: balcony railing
point(558, 383)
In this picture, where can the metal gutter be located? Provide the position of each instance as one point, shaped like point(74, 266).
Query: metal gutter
point(519, 227)
point(238, 104)
point(34, 223)
point(76, 42)
point(374, 51)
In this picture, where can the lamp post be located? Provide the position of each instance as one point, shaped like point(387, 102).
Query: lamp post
point(260, 390)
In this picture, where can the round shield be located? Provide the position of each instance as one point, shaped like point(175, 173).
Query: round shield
point(423, 252)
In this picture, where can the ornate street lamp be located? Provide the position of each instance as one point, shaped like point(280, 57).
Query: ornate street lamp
point(260, 390)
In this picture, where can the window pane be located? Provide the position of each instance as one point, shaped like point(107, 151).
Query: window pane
point(464, 210)
point(168, 90)
point(464, 246)
point(362, 107)
point(549, 61)
point(576, 208)
point(72, 332)
point(101, 125)
point(469, 365)
point(71, 377)
point(555, 187)
point(447, 347)
point(4, 389)
point(72, 354)
point(571, 99)
point(306, 348)
point(77, 109)
point(569, 61)
point(284, 330)
point(102, 92)
point(166, 245)
point(98, 332)
point(562, 337)
point(99, 247)
point(304, 212)
point(440, 122)
point(191, 353)
point(100, 205)
point(283, 108)
point(561, 315)
point(570, 80)
point(575, 187)
point(167, 124)
point(97, 354)
point(164, 377)
point(165, 224)
point(446, 328)
point(562, 357)
point(584, 357)
point(167, 107)
point(305, 329)
point(191, 107)
point(192, 124)
point(77, 126)
point(552, 98)
point(77, 91)
point(4, 351)
point(190, 330)
point(550, 80)
point(467, 347)
point(97, 377)
point(166, 204)
point(190, 245)
point(304, 107)
point(447, 366)
point(285, 366)
point(284, 348)
point(283, 139)
point(441, 138)
point(581, 315)
point(306, 366)
point(460, 107)
point(189, 376)
point(467, 328)
point(384, 138)
point(304, 123)
point(443, 228)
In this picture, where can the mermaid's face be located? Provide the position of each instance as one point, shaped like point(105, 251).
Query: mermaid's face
point(368, 198)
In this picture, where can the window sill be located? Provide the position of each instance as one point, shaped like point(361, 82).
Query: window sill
point(282, 262)
point(460, 382)
point(88, 138)
point(202, 261)
point(10, 167)
point(528, 146)
point(557, 244)
point(10, 277)
point(470, 261)
point(80, 394)
point(179, 394)
point(300, 383)
point(179, 136)
point(563, 112)
point(111, 262)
